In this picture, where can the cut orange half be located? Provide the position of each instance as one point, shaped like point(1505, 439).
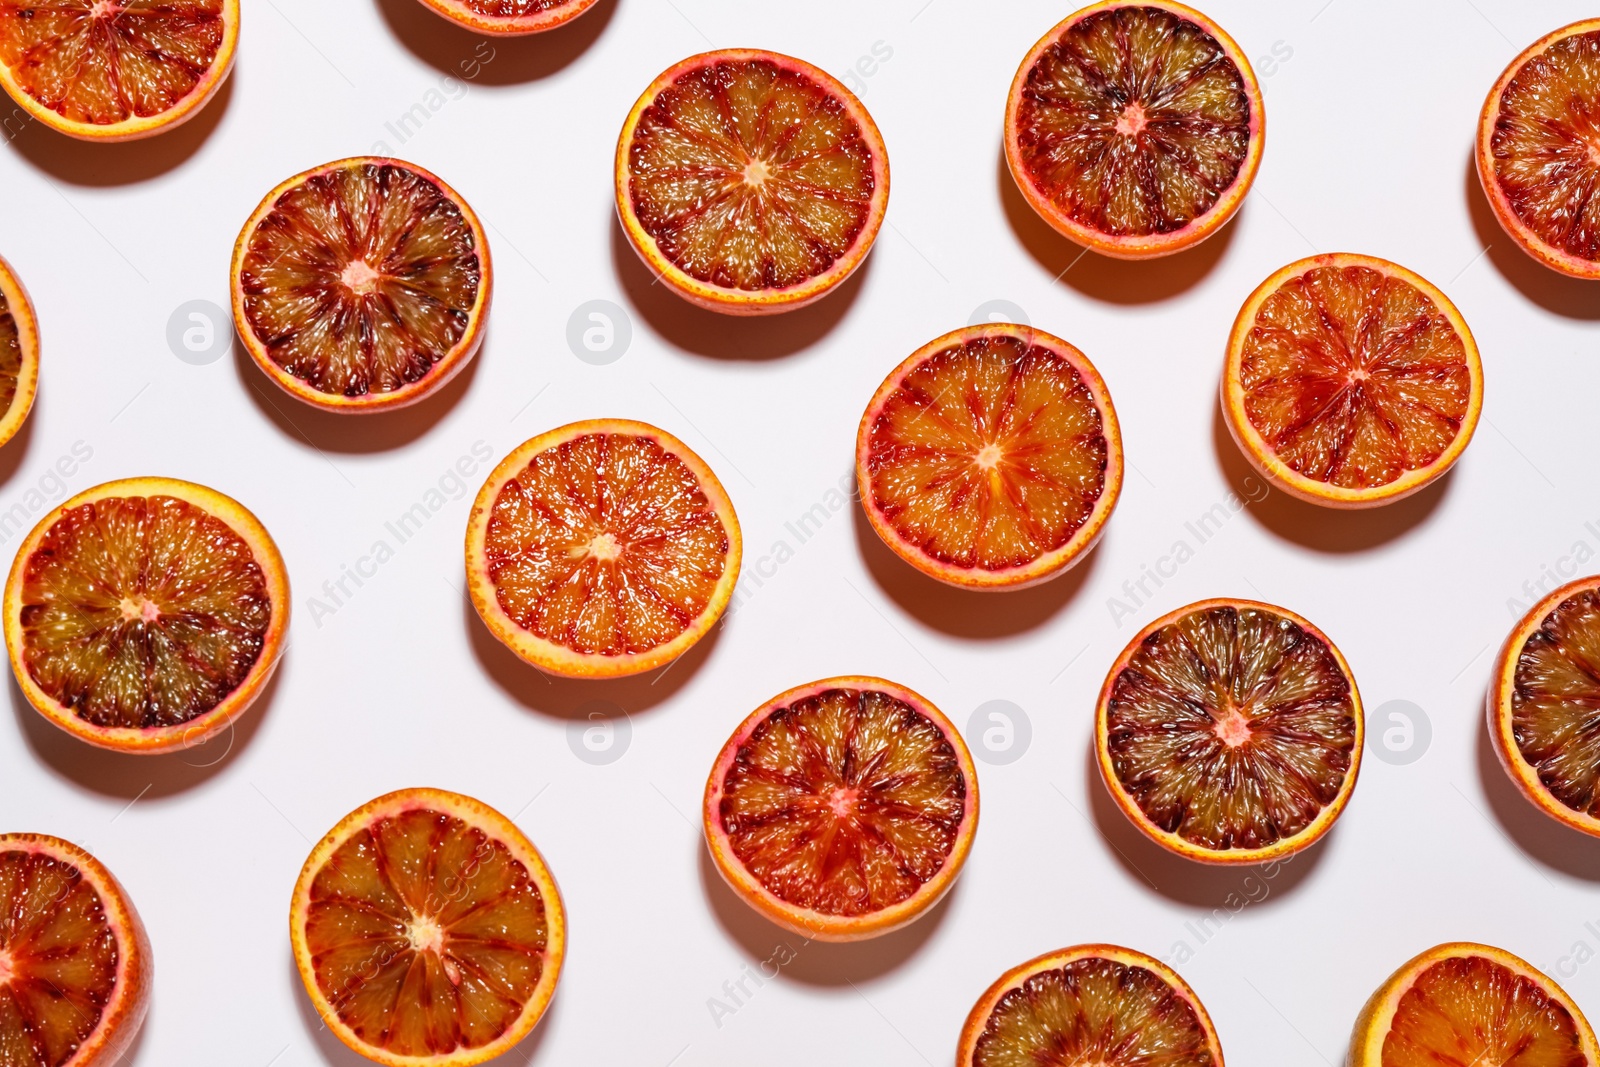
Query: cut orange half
point(1093, 1004)
point(1350, 381)
point(1539, 149)
point(362, 285)
point(1135, 128)
point(991, 458)
point(1230, 732)
point(75, 964)
point(115, 70)
point(1471, 1004)
point(19, 353)
point(751, 182)
point(843, 809)
point(145, 615)
point(603, 548)
point(428, 930)
point(510, 18)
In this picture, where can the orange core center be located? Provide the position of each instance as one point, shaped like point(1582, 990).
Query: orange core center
point(1133, 120)
point(842, 801)
point(7, 968)
point(756, 173)
point(360, 278)
point(605, 548)
point(989, 457)
point(1233, 728)
point(105, 9)
point(139, 609)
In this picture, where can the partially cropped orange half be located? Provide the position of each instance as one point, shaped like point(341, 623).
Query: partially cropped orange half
point(19, 353)
point(510, 18)
point(842, 809)
point(75, 966)
point(115, 70)
point(602, 548)
point(750, 182)
point(428, 930)
point(362, 285)
point(1135, 128)
point(1462, 1003)
point(1092, 1004)
point(991, 458)
point(1351, 381)
point(1538, 149)
point(1230, 732)
point(146, 615)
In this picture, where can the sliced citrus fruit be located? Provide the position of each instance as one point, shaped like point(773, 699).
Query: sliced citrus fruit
point(1350, 381)
point(510, 18)
point(1135, 128)
point(1539, 149)
point(751, 182)
point(1093, 1004)
point(146, 614)
point(75, 964)
point(1466, 1004)
point(1230, 732)
point(603, 548)
point(991, 458)
point(19, 353)
point(428, 930)
point(115, 70)
point(843, 809)
point(362, 285)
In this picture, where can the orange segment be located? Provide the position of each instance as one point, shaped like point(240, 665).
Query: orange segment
point(114, 70)
point(510, 18)
point(1350, 381)
point(751, 181)
point(602, 548)
point(1230, 732)
point(19, 353)
point(362, 285)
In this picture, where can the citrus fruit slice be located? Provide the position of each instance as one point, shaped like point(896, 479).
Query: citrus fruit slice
point(843, 809)
point(1230, 732)
point(1350, 381)
point(1471, 1004)
point(19, 353)
point(75, 964)
point(510, 18)
point(362, 285)
point(600, 549)
point(115, 70)
point(146, 614)
point(1093, 1004)
point(1539, 149)
point(991, 458)
point(1135, 128)
point(751, 182)
point(428, 930)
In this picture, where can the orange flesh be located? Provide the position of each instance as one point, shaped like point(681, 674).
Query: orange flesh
point(750, 176)
point(1354, 377)
point(605, 544)
point(142, 612)
point(58, 960)
point(989, 454)
point(1470, 1011)
point(1232, 728)
point(1095, 1013)
point(845, 802)
point(1134, 122)
point(511, 9)
point(1555, 702)
point(426, 935)
point(361, 279)
point(106, 62)
point(1546, 145)
point(10, 356)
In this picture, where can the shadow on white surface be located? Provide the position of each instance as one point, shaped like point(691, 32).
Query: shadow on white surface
point(1541, 838)
point(1573, 298)
point(456, 50)
point(16, 450)
point(130, 1055)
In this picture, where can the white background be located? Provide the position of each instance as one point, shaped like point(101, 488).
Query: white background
point(1372, 107)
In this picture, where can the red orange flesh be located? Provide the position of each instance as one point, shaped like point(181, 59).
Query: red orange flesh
point(19, 353)
point(510, 18)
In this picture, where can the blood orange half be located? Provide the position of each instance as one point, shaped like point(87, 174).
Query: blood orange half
point(1471, 1004)
point(1350, 381)
point(362, 285)
point(1135, 128)
point(510, 18)
point(115, 70)
point(1539, 149)
point(1230, 732)
point(751, 182)
point(75, 964)
point(145, 615)
point(1093, 1004)
point(428, 930)
point(991, 458)
point(19, 353)
point(843, 809)
point(603, 548)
